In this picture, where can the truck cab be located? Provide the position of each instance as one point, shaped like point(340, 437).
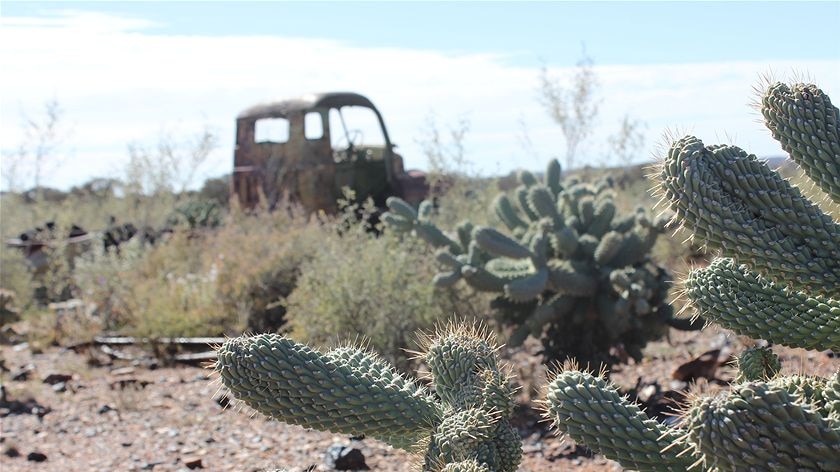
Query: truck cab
point(306, 149)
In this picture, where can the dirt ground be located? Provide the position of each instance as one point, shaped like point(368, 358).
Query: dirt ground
point(81, 411)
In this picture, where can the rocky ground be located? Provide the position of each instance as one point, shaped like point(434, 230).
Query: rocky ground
point(82, 411)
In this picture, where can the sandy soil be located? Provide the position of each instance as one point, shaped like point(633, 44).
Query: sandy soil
point(112, 416)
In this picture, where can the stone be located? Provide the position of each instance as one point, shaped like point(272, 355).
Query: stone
point(340, 457)
point(36, 456)
point(54, 379)
point(193, 463)
point(122, 371)
point(11, 451)
point(23, 374)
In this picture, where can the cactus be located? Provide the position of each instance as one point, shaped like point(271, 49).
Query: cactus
point(758, 363)
point(195, 214)
point(567, 263)
point(777, 281)
point(463, 426)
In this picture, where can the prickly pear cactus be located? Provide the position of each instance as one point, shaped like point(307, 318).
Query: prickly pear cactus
point(779, 281)
point(462, 426)
point(568, 269)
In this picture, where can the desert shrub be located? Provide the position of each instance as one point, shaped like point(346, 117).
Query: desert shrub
point(216, 189)
point(374, 288)
point(202, 283)
point(105, 279)
point(257, 260)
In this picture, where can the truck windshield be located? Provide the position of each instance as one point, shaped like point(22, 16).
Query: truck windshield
point(356, 126)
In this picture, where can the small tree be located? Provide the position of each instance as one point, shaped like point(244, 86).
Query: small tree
point(628, 141)
point(42, 137)
point(172, 166)
point(445, 151)
point(574, 108)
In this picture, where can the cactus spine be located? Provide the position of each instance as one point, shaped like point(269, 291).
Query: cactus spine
point(463, 426)
point(566, 263)
point(778, 281)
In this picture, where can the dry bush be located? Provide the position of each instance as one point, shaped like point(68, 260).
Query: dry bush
point(199, 283)
point(373, 288)
point(256, 260)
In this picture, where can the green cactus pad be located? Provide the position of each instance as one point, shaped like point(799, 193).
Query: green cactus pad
point(553, 174)
point(527, 288)
point(344, 391)
point(758, 363)
point(527, 179)
point(506, 213)
point(542, 203)
point(807, 125)
point(497, 244)
point(589, 409)
point(510, 269)
point(737, 299)
point(761, 426)
point(733, 202)
point(401, 208)
point(522, 199)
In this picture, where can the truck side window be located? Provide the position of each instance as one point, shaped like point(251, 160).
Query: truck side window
point(271, 130)
point(313, 125)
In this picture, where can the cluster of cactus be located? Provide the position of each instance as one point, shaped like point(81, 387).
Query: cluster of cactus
point(573, 273)
point(778, 279)
point(195, 214)
point(462, 425)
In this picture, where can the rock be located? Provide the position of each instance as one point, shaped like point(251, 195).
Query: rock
point(10, 406)
point(341, 457)
point(60, 387)
point(105, 409)
point(123, 371)
point(54, 379)
point(36, 456)
point(11, 451)
point(24, 373)
point(193, 463)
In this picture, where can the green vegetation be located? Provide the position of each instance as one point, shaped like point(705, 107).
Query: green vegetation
point(575, 273)
point(464, 426)
point(776, 281)
point(377, 292)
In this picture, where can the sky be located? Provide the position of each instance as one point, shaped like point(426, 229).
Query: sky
point(127, 73)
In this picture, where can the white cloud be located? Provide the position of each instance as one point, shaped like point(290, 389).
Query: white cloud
point(119, 81)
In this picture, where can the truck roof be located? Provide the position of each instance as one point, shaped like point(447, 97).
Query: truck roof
point(306, 102)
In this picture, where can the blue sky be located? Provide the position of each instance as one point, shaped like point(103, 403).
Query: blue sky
point(127, 72)
point(614, 32)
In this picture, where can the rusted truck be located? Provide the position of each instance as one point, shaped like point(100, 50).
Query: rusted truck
point(305, 150)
